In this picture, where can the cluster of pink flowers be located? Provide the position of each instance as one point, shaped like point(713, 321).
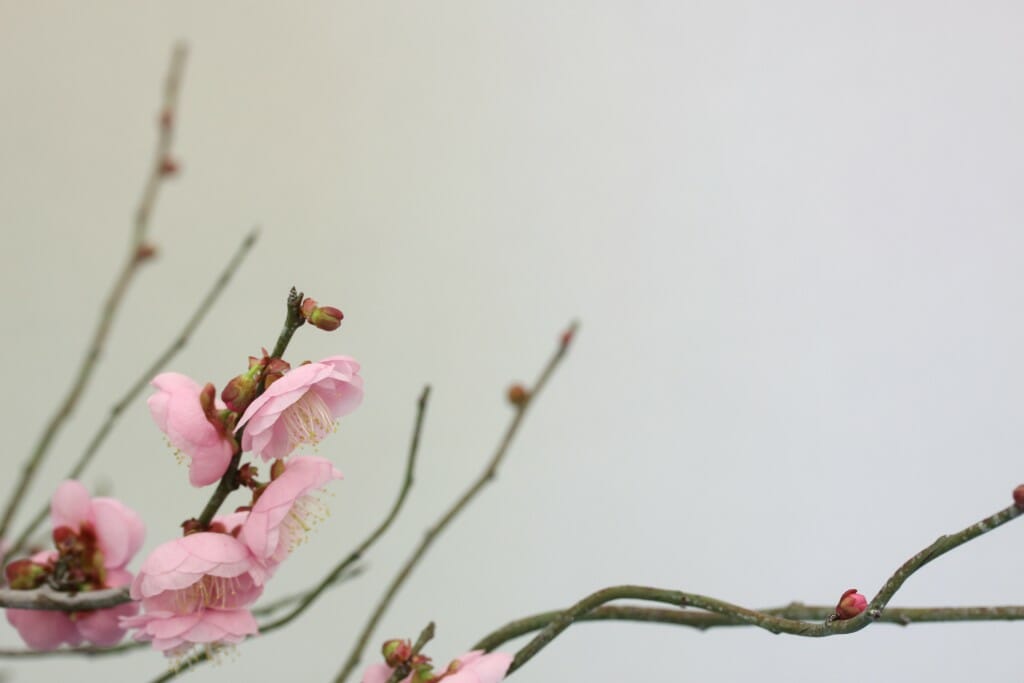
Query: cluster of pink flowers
point(197, 590)
point(96, 538)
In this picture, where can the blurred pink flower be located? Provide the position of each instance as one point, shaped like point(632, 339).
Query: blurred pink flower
point(196, 589)
point(119, 529)
point(286, 510)
point(472, 667)
point(98, 537)
point(301, 407)
point(178, 412)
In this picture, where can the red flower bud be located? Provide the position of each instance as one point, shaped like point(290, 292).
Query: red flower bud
point(518, 395)
point(25, 574)
point(851, 604)
point(1018, 497)
point(323, 317)
point(396, 652)
point(169, 167)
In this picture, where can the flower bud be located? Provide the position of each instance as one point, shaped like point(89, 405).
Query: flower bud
point(25, 574)
point(324, 317)
point(1018, 497)
point(851, 604)
point(168, 167)
point(518, 395)
point(240, 391)
point(396, 652)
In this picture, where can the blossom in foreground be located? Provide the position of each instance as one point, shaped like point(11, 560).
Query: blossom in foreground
point(186, 413)
point(196, 590)
point(286, 510)
point(301, 407)
point(472, 667)
point(96, 538)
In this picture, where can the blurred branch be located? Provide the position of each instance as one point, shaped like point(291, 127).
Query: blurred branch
point(143, 380)
point(45, 598)
point(139, 252)
point(767, 621)
point(489, 473)
point(268, 608)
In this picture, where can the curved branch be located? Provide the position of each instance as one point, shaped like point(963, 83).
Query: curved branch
point(901, 616)
point(769, 622)
point(45, 598)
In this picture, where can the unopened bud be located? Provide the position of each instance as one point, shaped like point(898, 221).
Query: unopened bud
point(240, 391)
point(396, 652)
point(145, 252)
point(1018, 497)
point(323, 317)
point(169, 167)
point(518, 395)
point(25, 574)
point(851, 604)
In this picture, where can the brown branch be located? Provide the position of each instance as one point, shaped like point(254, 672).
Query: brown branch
point(144, 378)
point(45, 598)
point(769, 622)
point(488, 475)
point(138, 254)
point(901, 616)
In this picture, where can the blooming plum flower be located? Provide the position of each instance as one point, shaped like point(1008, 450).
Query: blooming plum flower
point(175, 633)
point(196, 590)
point(286, 510)
point(301, 407)
point(178, 410)
point(472, 667)
point(118, 529)
point(96, 538)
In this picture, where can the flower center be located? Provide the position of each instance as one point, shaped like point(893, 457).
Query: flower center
point(308, 420)
point(307, 512)
point(210, 591)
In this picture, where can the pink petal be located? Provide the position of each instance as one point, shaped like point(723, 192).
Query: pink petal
point(378, 673)
point(102, 627)
point(44, 629)
point(119, 529)
point(70, 505)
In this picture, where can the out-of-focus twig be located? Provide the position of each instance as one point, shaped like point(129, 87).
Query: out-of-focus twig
point(432, 533)
point(139, 252)
point(45, 598)
point(143, 380)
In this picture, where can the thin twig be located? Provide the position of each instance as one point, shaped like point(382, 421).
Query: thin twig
point(901, 616)
point(143, 380)
point(138, 254)
point(306, 599)
point(489, 473)
point(74, 651)
point(403, 670)
point(268, 608)
point(769, 622)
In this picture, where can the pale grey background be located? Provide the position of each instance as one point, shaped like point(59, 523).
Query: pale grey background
point(791, 231)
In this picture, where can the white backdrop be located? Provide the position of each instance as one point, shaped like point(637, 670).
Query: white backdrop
point(791, 232)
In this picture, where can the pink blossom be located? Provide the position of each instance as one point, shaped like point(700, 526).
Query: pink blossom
point(174, 634)
point(851, 604)
point(178, 412)
point(301, 407)
point(196, 590)
point(119, 529)
point(100, 536)
point(472, 667)
point(286, 510)
point(200, 570)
